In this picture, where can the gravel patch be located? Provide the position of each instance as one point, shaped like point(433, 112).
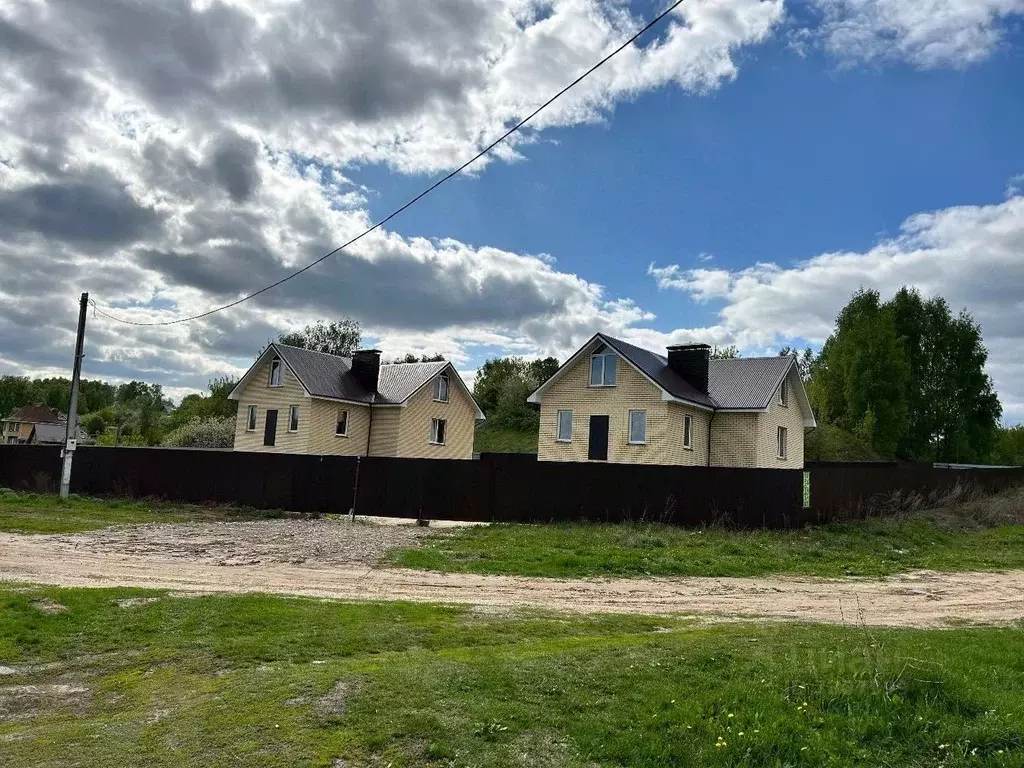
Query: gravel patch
point(298, 542)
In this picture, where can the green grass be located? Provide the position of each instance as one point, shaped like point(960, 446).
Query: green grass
point(270, 681)
point(950, 539)
point(46, 513)
point(493, 440)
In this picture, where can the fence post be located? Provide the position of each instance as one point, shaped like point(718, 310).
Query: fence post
point(355, 492)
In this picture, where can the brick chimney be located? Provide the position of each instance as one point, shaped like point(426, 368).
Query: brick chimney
point(366, 368)
point(691, 362)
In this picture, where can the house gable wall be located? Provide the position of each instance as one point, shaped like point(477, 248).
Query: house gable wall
point(413, 437)
point(631, 392)
point(258, 392)
point(790, 416)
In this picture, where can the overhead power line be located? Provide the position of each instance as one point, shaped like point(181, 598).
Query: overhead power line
point(643, 30)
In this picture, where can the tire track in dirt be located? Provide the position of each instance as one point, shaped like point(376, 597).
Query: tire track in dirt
point(922, 599)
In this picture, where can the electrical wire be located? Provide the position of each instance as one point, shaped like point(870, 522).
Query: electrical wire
point(647, 27)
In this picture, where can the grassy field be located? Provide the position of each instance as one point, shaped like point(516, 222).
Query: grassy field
point(131, 678)
point(493, 440)
point(46, 513)
point(972, 536)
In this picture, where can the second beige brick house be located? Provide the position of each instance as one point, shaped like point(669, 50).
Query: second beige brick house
point(294, 400)
point(613, 401)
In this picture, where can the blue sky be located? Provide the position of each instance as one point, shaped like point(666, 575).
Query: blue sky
point(732, 179)
point(795, 158)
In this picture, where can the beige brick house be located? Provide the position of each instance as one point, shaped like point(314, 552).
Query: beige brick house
point(17, 428)
point(613, 401)
point(296, 401)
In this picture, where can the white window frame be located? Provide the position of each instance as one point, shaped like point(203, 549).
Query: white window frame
point(437, 388)
point(688, 432)
point(784, 394)
point(251, 419)
point(603, 358)
point(276, 366)
point(293, 418)
point(781, 443)
point(338, 419)
point(559, 437)
point(629, 428)
point(438, 428)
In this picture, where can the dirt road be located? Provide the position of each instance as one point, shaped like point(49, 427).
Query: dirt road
point(211, 561)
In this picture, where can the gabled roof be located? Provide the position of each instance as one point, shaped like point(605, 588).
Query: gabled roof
point(48, 433)
point(330, 377)
point(655, 367)
point(740, 384)
point(399, 381)
point(37, 414)
point(323, 375)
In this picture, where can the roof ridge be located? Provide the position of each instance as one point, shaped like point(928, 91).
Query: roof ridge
point(311, 351)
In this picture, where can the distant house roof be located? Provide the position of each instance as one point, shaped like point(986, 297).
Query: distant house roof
point(47, 433)
point(739, 384)
point(37, 414)
point(330, 376)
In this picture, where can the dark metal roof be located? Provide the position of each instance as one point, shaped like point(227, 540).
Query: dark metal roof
point(657, 368)
point(746, 382)
point(399, 380)
point(740, 383)
point(37, 414)
point(331, 376)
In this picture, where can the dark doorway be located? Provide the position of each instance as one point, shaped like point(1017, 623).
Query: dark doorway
point(598, 438)
point(270, 430)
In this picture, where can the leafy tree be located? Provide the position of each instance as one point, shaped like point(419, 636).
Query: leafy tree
point(214, 405)
point(725, 353)
point(1009, 448)
point(55, 392)
point(859, 380)
point(336, 338)
point(502, 385)
point(542, 369)
point(953, 412)
point(908, 377)
point(804, 360)
point(409, 357)
point(94, 425)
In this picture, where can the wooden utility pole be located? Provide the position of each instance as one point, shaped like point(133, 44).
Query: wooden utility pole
point(71, 436)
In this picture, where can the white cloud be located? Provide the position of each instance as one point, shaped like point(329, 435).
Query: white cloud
point(1015, 185)
point(171, 156)
point(971, 255)
point(926, 33)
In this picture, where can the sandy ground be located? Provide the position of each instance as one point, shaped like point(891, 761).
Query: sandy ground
point(338, 560)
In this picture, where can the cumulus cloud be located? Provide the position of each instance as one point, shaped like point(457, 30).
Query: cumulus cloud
point(971, 255)
point(927, 34)
point(171, 156)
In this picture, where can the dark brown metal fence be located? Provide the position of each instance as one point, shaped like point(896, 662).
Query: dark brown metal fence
point(497, 487)
point(843, 490)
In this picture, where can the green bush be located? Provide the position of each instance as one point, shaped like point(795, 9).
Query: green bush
point(215, 432)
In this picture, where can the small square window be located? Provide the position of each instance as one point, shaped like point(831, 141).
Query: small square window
point(275, 372)
point(687, 431)
point(438, 430)
point(293, 419)
point(638, 427)
point(341, 427)
point(564, 427)
point(250, 424)
point(781, 440)
point(441, 388)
